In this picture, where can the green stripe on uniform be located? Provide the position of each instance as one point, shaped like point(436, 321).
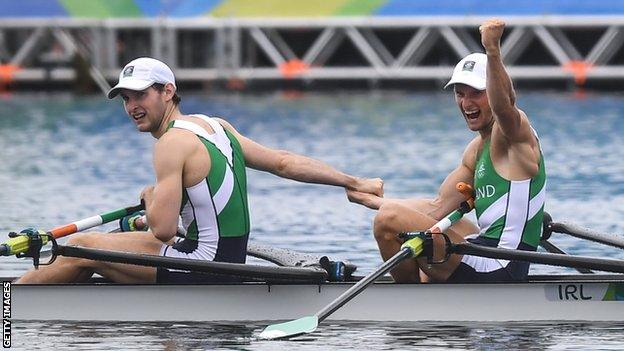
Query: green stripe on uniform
point(237, 208)
point(217, 169)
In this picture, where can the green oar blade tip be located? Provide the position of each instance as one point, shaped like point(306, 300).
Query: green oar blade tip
point(289, 329)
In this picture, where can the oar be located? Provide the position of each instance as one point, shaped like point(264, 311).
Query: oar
point(276, 273)
point(550, 247)
point(20, 243)
point(601, 264)
point(411, 248)
point(588, 234)
point(141, 222)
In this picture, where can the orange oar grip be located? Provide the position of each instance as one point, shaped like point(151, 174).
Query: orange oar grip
point(65, 230)
point(467, 191)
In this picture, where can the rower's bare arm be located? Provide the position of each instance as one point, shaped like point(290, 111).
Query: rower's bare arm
point(163, 201)
point(501, 95)
point(301, 168)
point(448, 198)
point(369, 200)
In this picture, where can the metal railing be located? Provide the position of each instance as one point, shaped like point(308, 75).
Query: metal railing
point(370, 48)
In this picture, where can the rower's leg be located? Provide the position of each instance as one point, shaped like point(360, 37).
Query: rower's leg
point(410, 216)
point(70, 269)
point(63, 270)
point(389, 221)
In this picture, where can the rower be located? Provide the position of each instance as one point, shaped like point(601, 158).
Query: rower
point(504, 162)
point(199, 162)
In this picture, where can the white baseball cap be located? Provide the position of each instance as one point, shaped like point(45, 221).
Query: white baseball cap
point(470, 71)
point(141, 73)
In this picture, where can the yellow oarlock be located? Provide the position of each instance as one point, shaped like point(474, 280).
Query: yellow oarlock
point(20, 243)
point(415, 244)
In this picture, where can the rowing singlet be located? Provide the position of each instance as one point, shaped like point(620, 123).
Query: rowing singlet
point(215, 211)
point(509, 213)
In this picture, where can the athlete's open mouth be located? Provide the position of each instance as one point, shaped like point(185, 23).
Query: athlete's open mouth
point(472, 114)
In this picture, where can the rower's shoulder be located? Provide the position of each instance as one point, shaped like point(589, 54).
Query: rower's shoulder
point(225, 124)
point(175, 139)
point(172, 150)
point(524, 133)
point(469, 157)
point(474, 145)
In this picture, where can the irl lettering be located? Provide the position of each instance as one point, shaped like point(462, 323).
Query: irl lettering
point(572, 292)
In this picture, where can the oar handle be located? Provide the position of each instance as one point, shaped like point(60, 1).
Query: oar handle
point(466, 189)
point(466, 206)
point(94, 221)
point(21, 243)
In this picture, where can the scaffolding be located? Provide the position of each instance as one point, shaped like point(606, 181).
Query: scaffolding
point(572, 48)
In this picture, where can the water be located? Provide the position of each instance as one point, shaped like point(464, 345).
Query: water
point(64, 158)
point(334, 336)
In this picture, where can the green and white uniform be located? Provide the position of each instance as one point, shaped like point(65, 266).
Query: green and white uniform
point(215, 212)
point(509, 213)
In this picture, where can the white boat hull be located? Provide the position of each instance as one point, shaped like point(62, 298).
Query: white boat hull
point(562, 300)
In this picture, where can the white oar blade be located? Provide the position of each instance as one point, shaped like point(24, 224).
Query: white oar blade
point(288, 329)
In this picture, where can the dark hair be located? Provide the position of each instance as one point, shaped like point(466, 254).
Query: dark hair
point(161, 87)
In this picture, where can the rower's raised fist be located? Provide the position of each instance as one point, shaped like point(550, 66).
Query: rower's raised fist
point(491, 33)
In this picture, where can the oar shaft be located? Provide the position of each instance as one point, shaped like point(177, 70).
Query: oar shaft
point(21, 243)
point(94, 221)
point(404, 253)
point(588, 234)
point(601, 264)
point(277, 273)
point(550, 247)
point(446, 222)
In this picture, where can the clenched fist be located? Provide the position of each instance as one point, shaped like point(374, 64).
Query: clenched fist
point(491, 33)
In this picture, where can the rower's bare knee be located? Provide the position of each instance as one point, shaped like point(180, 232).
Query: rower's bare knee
point(82, 240)
point(385, 225)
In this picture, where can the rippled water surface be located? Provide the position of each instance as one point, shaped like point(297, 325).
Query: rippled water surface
point(334, 336)
point(64, 158)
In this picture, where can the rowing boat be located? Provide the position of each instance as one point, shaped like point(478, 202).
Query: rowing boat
point(542, 298)
point(298, 283)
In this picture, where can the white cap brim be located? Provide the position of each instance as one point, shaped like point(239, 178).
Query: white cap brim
point(470, 80)
point(130, 84)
